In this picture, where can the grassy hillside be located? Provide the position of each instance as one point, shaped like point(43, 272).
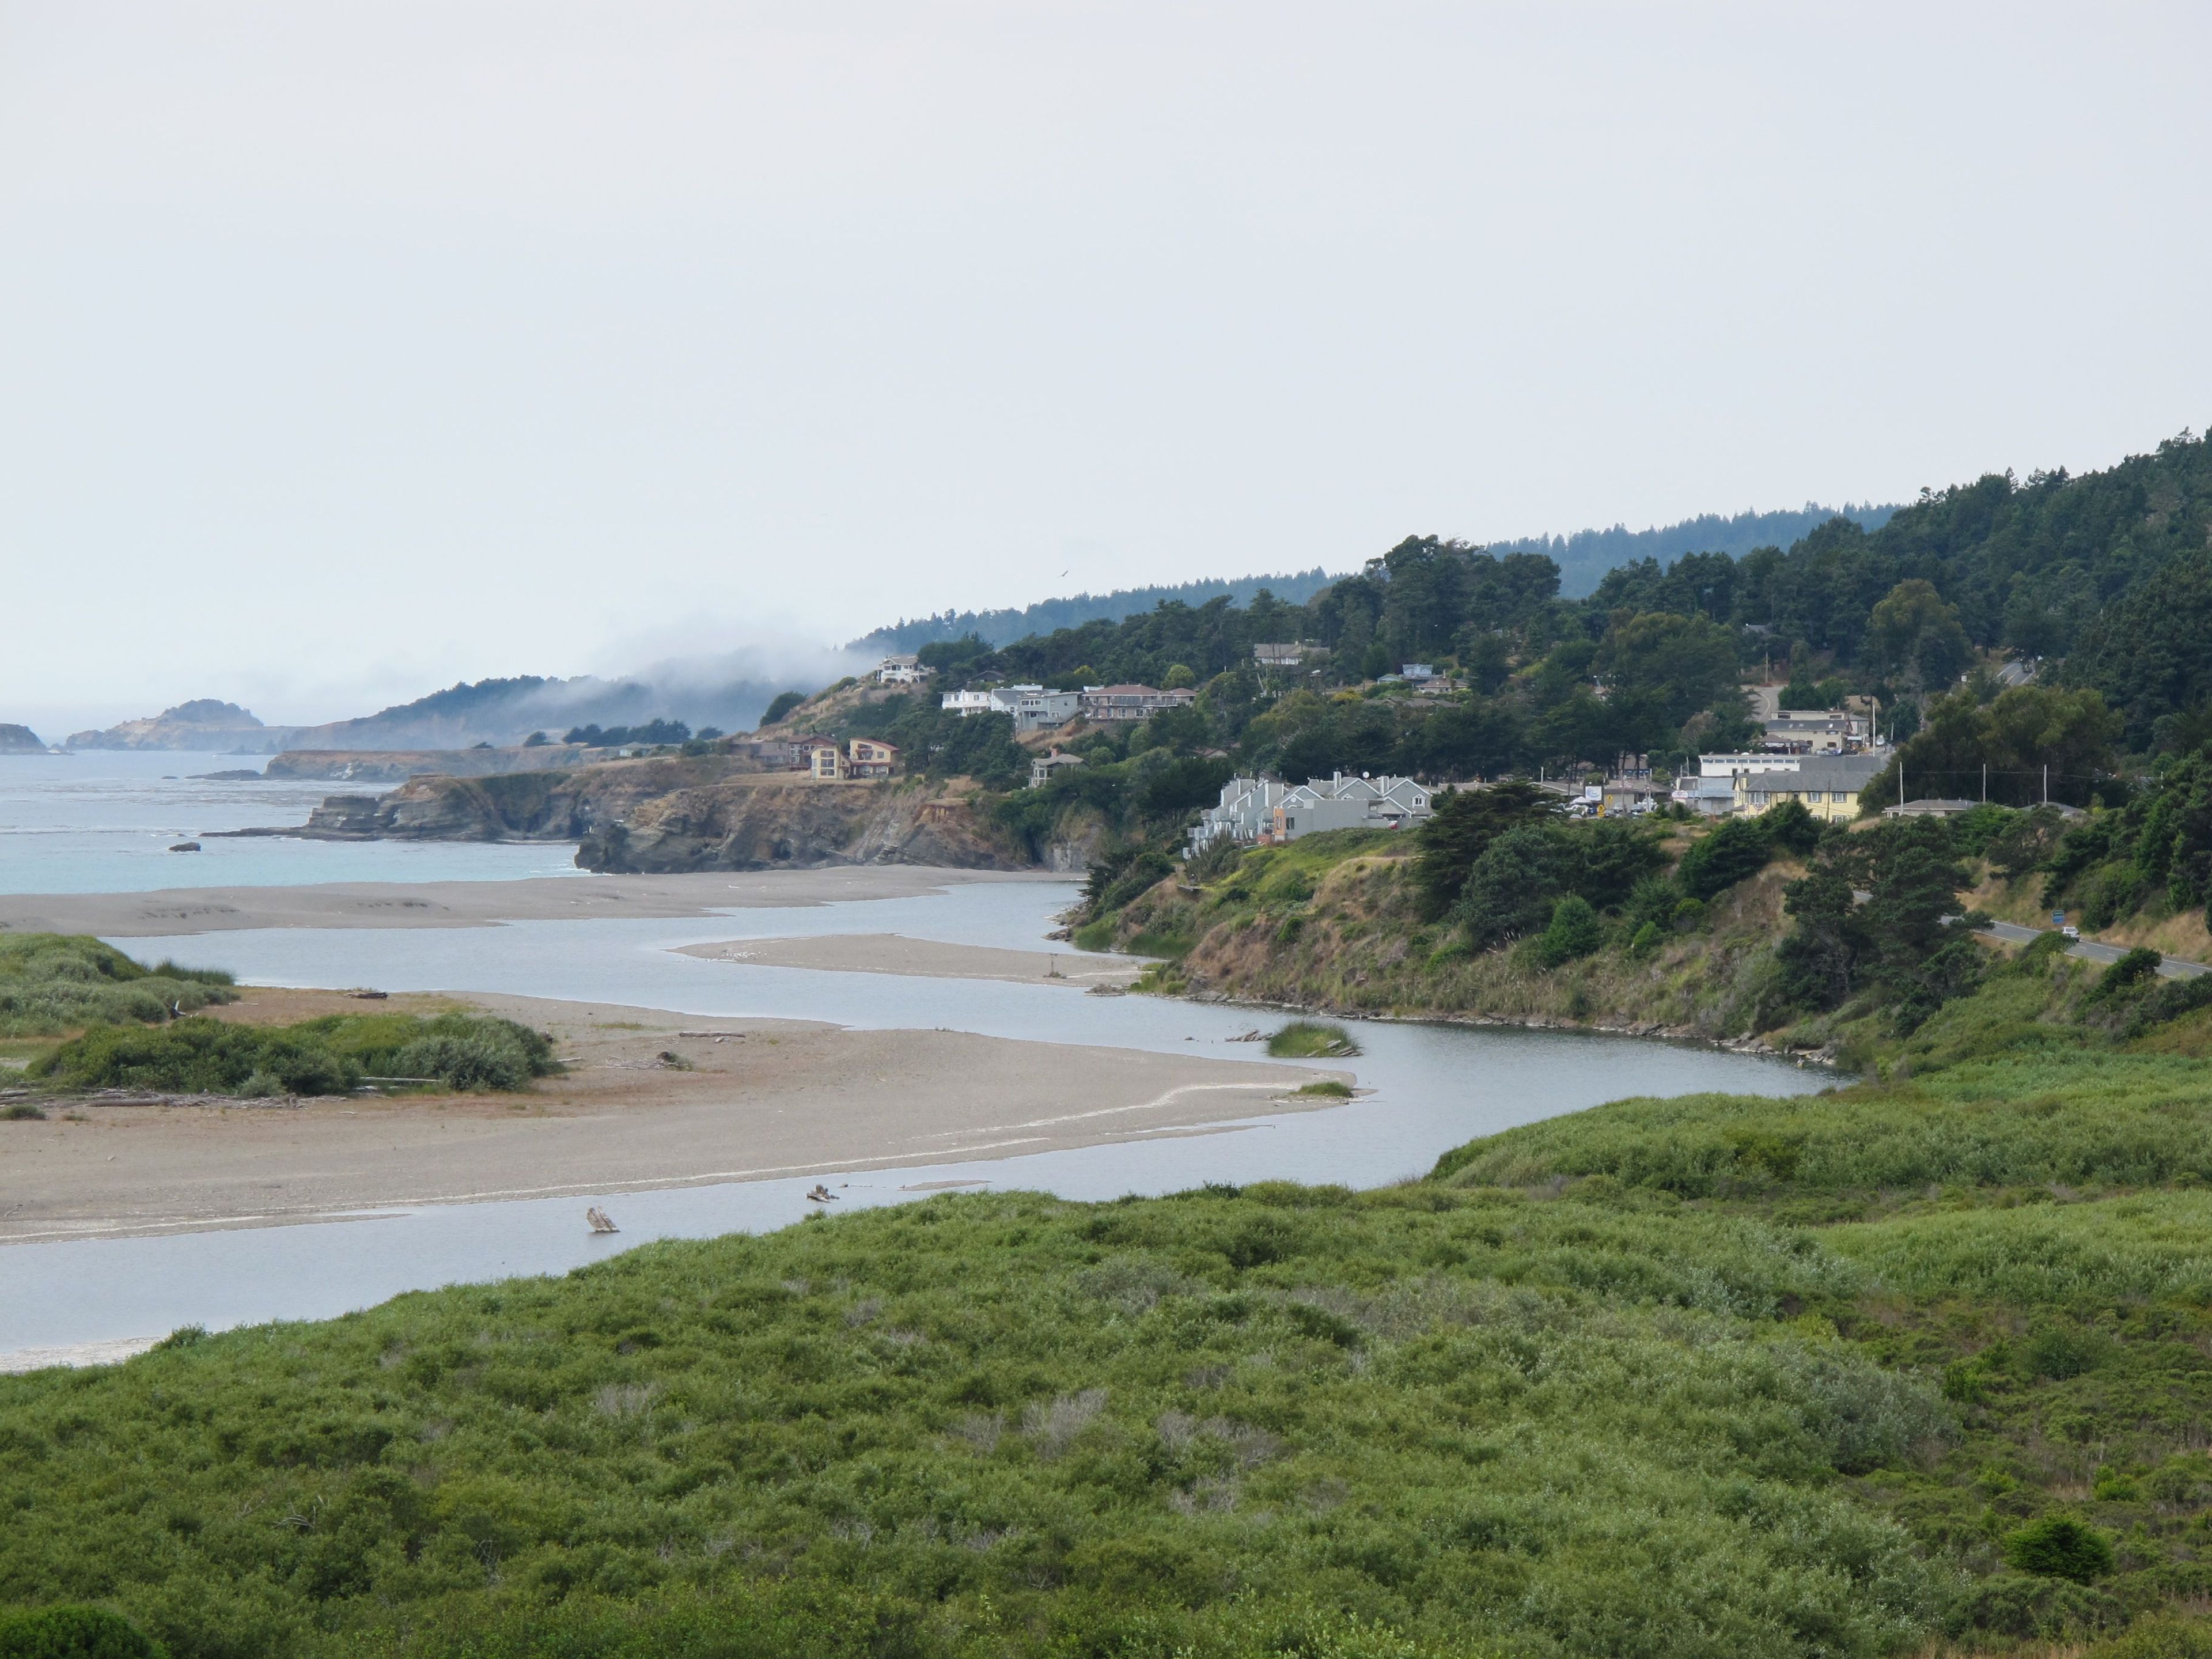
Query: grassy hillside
point(1336, 922)
point(1853, 1374)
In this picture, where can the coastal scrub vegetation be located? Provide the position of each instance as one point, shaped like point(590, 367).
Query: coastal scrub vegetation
point(1312, 1039)
point(55, 982)
point(330, 1055)
point(1847, 1373)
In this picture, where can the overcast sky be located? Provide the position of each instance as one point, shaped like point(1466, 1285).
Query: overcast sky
point(348, 349)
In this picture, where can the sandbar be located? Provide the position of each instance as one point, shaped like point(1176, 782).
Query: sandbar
point(894, 953)
point(474, 903)
point(651, 1099)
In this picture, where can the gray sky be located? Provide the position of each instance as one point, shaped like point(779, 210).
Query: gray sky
point(348, 349)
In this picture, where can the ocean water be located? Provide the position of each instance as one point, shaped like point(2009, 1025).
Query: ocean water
point(1434, 1086)
point(104, 823)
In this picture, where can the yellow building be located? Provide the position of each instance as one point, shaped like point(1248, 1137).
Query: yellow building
point(1827, 785)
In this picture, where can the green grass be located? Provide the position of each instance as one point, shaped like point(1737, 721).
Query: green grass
point(1312, 1039)
point(51, 983)
point(1328, 1086)
point(1013, 1425)
point(1905, 1367)
point(326, 1056)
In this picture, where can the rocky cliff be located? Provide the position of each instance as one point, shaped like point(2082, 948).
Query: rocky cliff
point(780, 819)
point(397, 766)
point(674, 815)
point(20, 740)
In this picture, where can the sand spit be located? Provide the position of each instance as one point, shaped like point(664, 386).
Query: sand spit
point(894, 953)
point(471, 903)
point(651, 1100)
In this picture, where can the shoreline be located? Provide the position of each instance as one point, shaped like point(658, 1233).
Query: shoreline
point(1640, 1031)
point(191, 910)
point(653, 1100)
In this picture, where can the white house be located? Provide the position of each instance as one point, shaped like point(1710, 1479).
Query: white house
point(1246, 813)
point(1353, 803)
point(901, 670)
point(964, 704)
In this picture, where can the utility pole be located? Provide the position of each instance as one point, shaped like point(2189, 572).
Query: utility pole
point(1986, 783)
point(2046, 783)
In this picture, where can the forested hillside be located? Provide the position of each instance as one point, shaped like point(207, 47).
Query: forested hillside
point(2106, 577)
point(1584, 557)
point(1005, 626)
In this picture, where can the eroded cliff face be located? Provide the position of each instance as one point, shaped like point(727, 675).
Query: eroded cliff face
point(783, 821)
point(650, 816)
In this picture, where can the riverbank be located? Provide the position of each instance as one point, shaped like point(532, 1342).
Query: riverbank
point(470, 903)
point(649, 1100)
point(922, 958)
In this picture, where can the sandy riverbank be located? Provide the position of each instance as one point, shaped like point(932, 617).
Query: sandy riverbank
point(471, 903)
point(745, 1099)
point(894, 953)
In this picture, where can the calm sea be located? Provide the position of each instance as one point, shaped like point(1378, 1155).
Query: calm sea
point(104, 823)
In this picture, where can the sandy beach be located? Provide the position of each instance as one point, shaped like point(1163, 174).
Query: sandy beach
point(894, 953)
point(472, 903)
point(650, 1100)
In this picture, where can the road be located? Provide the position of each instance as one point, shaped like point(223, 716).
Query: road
point(2089, 950)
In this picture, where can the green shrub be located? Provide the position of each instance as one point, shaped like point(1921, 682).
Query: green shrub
point(73, 1633)
point(51, 982)
point(1738, 848)
point(326, 1056)
point(1575, 931)
point(2129, 971)
point(1648, 939)
point(2058, 1546)
point(2160, 1639)
point(1309, 1039)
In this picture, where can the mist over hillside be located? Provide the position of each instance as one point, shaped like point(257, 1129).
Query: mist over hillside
point(1004, 627)
point(730, 689)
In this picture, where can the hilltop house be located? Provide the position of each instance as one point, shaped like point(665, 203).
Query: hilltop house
point(1132, 702)
point(823, 760)
point(1044, 768)
point(1245, 813)
point(1343, 803)
point(901, 670)
point(870, 757)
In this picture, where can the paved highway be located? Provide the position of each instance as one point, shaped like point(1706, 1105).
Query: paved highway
point(2089, 950)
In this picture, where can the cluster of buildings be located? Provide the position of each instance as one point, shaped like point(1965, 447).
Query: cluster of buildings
point(1036, 709)
point(826, 760)
point(1255, 811)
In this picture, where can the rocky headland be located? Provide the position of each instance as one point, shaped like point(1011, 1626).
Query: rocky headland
point(20, 740)
point(397, 766)
point(675, 814)
point(206, 725)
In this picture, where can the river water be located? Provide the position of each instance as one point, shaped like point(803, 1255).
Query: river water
point(1434, 1086)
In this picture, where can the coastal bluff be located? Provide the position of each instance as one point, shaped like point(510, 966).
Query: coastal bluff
point(674, 814)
